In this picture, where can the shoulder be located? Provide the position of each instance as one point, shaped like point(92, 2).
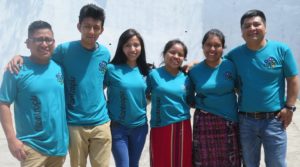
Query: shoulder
point(103, 49)
point(54, 64)
point(227, 62)
point(155, 72)
point(66, 46)
point(197, 67)
point(235, 52)
point(112, 67)
point(277, 44)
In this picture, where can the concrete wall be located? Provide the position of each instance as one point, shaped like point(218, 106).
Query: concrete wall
point(158, 22)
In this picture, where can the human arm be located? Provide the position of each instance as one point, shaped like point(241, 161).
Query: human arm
point(16, 147)
point(14, 64)
point(186, 68)
point(285, 114)
point(190, 89)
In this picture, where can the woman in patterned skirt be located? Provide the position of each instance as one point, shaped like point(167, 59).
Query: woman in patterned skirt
point(215, 129)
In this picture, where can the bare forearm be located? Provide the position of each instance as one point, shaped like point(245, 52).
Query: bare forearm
point(292, 90)
point(6, 121)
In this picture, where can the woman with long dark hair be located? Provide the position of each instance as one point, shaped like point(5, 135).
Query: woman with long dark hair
point(126, 86)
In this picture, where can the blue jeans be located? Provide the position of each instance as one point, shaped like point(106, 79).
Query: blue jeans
point(128, 144)
point(267, 132)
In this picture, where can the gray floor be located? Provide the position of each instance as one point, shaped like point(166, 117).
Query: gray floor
point(293, 155)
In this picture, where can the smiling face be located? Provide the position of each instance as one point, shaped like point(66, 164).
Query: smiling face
point(213, 50)
point(132, 50)
point(90, 30)
point(253, 30)
point(174, 57)
point(41, 45)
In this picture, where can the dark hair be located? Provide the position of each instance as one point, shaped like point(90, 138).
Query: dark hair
point(38, 25)
point(120, 57)
point(171, 43)
point(214, 32)
point(253, 13)
point(93, 11)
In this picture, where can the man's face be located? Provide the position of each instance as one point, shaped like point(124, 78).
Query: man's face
point(41, 44)
point(253, 30)
point(90, 30)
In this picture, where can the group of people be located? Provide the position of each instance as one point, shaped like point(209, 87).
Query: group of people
point(59, 100)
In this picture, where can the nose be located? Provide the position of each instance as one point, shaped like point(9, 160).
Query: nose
point(92, 30)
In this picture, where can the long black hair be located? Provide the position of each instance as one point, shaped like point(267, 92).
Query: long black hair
point(120, 57)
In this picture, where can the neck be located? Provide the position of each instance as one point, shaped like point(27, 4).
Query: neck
point(256, 45)
point(131, 64)
point(39, 61)
point(173, 71)
point(89, 46)
point(213, 64)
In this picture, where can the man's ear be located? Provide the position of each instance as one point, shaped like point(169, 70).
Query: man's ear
point(78, 27)
point(27, 43)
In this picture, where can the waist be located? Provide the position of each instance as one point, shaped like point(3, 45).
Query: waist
point(260, 115)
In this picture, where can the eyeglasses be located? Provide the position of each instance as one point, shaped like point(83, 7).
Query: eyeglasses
point(38, 41)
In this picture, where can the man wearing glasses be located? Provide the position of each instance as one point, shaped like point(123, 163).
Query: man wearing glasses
point(84, 63)
point(37, 91)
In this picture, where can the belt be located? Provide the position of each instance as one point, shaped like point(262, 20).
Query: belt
point(260, 115)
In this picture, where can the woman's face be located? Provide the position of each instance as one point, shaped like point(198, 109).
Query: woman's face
point(213, 49)
point(174, 56)
point(132, 49)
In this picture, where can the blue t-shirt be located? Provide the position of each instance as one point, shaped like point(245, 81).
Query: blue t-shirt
point(126, 93)
point(262, 74)
point(39, 106)
point(214, 89)
point(84, 75)
point(169, 95)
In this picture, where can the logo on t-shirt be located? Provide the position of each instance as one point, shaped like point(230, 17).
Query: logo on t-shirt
point(60, 78)
point(228, 75)
point(102, 67)
point(72, 93)
point(36, 103)
point(270, 62)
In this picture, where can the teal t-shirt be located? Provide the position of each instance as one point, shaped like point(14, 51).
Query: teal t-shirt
point(169, 95)
point(84, 75)
point(126, 95)
point(37, 92)
point(262, 74)
point(214, 88)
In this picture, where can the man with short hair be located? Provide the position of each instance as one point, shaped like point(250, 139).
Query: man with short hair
point(84, 63)
point(263, 66)
point(37, 91)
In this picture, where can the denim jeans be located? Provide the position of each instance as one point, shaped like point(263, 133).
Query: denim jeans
point(128, 144)
point(267, 132)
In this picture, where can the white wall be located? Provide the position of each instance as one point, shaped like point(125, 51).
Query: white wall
point(157, 21)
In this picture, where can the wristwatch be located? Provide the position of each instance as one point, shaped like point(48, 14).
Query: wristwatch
point(291, 108)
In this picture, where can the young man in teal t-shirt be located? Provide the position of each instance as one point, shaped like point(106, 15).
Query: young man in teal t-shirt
point(37, 91)
point(84, 64)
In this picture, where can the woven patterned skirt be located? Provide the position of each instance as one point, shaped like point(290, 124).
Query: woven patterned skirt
point(215, 141)
point(171, 145)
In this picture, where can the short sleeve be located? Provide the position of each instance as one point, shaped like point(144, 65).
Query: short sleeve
point(8, 90)
point(290, 66)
